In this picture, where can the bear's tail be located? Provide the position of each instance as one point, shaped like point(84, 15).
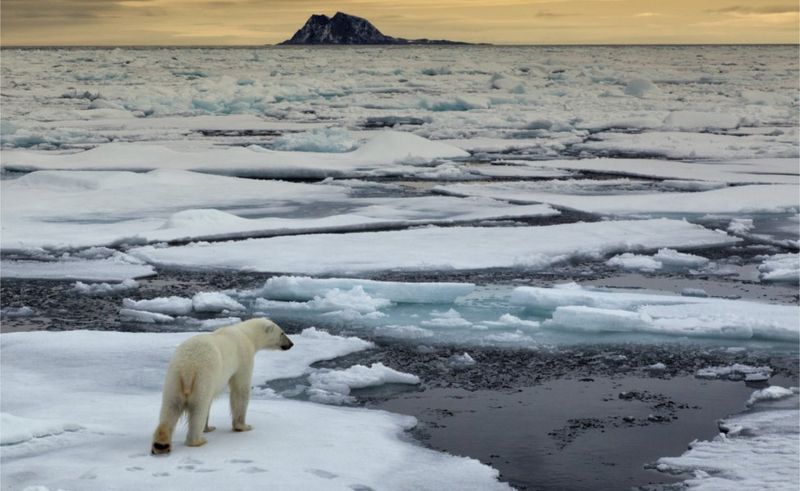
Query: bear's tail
point(187, 384)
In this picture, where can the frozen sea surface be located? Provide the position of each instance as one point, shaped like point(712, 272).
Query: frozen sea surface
point(475, 205)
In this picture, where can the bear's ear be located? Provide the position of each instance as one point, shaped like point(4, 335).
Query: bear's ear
point(269, 327)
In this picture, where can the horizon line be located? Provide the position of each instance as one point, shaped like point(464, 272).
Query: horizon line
point(465, 44)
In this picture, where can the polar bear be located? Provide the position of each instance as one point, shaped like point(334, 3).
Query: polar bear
point(201, 368)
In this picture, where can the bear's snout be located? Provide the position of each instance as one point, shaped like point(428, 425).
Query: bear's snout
point(286, 343)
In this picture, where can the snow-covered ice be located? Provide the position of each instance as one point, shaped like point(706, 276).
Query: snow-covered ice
point(105, 289)
point(436, 248)
point(104, 443)
point(755, 450)
point(573, 307)
point(302, 288)
point(335, 385)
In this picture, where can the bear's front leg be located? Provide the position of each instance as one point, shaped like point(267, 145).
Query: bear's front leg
point(240, 398)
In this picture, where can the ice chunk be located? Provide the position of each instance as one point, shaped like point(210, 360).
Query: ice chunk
point(658, 367)
point(673, 259)
point(635, 262)
point(740, 225)
point(163, 305)
point(450, 318)
point(337, 383)
point(736, 371)
point(694, 292)
point(331, 140)
point(105, 289)
point(640, 87)
point(771, 393)
point(214, 302)
point(13, 312)
point(462, 360)
point(306, 288)
point(781, 268)
point(144, 317)
point(17, 429)
point(509, 320)
point(403, 332)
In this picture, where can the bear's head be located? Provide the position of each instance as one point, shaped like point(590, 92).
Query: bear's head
point(275, 338)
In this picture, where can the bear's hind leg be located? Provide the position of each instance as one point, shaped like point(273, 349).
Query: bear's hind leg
point(162, 438)
point(198, 419)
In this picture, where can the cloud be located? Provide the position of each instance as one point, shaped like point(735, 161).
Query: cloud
point(763, 9)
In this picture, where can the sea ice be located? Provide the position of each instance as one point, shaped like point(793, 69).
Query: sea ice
point(736, 371)
point(302, 435)
point(581, 309)
point(771, 393)
point(755, 450)
point(214, 302)
point(303, 288)
point(436, 248)
point(780, 268)
point(105, 289)
point(341, 382)
point(162, 305)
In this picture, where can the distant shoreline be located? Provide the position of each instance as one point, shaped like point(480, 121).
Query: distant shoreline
point(393, 46)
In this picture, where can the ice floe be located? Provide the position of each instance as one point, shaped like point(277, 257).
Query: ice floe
point(738, 199)
point(334, 386)
point(572, 307)
point(781, 267)
point(303, 436)
point(755, 450)
point(306, 288)
point(377, 155)
point(436, 248)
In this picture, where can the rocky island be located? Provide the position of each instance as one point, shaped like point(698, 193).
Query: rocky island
point(348, 29)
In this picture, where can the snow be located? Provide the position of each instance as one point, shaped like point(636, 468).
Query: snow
point(449, 318)
point(436, 248)
point(18, 430)
point(335, 385)
point(305, 288)
point(298, 445)
point(575, 308)
point(755, 450)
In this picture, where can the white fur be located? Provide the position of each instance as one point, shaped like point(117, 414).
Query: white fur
point(201, 368)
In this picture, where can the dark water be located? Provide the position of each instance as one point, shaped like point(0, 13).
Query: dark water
point(571, 434)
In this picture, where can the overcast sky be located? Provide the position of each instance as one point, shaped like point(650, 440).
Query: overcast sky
point(179, 22)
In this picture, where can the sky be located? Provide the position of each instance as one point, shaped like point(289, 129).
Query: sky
point(249, 22)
